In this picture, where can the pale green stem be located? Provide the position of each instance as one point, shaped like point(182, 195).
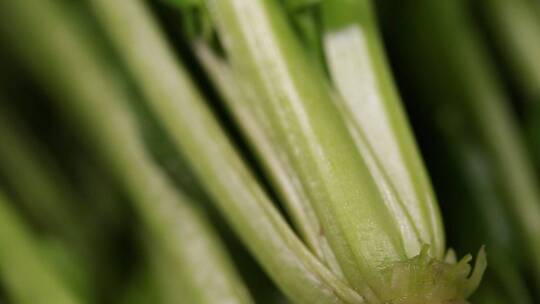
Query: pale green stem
point(371, 105)
point(276, 162)
point(298, 103)
point(218, 166)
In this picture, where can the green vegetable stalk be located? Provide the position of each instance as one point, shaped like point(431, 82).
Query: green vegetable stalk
point(97, 103)
point(371, 105)
point(217, 164)
point(308, 83)
point(376, 232)
point(275, 162)
point(45, 194)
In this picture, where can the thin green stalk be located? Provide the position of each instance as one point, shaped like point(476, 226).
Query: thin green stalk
point(515, 28)
point(47, 196)
point(490, 110)
point(276, 162)
point(218, 166)
point(97, 103)
point(75, 222)
point(452, 71)
point(27, 277)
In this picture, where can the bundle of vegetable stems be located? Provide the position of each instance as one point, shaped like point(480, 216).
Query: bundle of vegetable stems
point(290, 138)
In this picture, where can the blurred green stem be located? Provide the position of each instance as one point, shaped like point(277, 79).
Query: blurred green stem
point(515, 29)
point(40, 184)
point(96, 102)
point(28, 278)
point(451, 69)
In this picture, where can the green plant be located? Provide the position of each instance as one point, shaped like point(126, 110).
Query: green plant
point(271, 130)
